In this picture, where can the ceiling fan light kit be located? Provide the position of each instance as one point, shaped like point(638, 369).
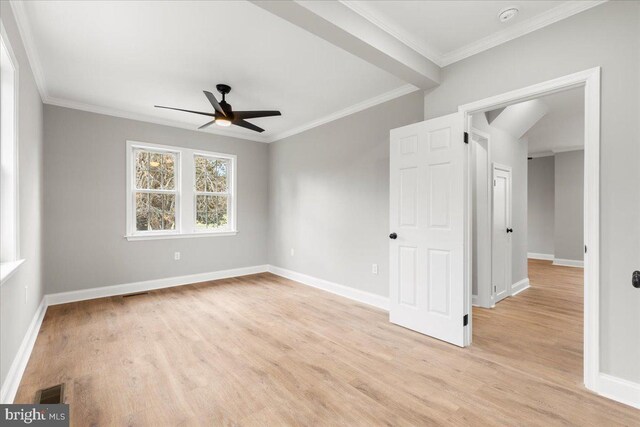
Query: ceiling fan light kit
point(224, 115)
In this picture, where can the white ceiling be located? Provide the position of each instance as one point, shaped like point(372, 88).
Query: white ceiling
point(447, 31)
point(128, 56)
point(121, 58)
point(562, 128)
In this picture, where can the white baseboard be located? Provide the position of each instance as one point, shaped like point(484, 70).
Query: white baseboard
point(520, 286)
point(148, 285)
point(620, 390)
point(19, 364)
point(546, 257)
point(344, 291)
point(568, 262)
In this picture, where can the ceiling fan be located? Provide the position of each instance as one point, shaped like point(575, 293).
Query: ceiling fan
point(224, 114)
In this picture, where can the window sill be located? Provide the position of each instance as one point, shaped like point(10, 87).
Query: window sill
point(179, 236)
point(8, 268)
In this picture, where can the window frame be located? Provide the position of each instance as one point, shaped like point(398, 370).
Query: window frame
point(231, 195)
point(185, 193)
point(10, 264)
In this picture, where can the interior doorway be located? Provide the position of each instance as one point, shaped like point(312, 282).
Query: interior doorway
point(588, 84)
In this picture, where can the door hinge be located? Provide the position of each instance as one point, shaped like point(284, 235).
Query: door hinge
point(466, 137)
point(495, 289)
point(585, 249)
point(465, 320)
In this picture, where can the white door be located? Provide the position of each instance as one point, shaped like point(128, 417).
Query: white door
point(427, 192)
point(501, 234)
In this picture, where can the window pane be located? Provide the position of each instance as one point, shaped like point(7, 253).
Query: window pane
point(142, 169)
point(211, 212)
point(142, 211)
point(168, 166)
point(155, 171)
point(155, 211)
point(211, 174)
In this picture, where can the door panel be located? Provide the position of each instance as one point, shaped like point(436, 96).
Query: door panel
point(427, 213)
point(501, 240)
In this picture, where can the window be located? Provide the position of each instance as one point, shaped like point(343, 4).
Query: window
point(9, 250)
point(155, 190)
point(212, 192)
point(178, 192)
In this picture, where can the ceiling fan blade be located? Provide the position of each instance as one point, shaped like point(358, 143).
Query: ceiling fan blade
point(255, 114)
point(214, 102)
point(186, 111)
point(207, 124)
point(248, 125)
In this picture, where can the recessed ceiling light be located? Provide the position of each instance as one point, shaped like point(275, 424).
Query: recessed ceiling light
point(507, 14)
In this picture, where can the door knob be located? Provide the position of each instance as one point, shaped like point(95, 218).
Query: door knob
point(635, 279)
point(509, 230)
point(393, 236)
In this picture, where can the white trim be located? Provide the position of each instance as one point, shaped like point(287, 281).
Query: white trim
point(619, 389)
point(568, 262)
point(558, 13)
point(15, 172)
point(590, 79)
point(149, 285)
point(368, 103)
point(520, 286)
point(19, 364)
point(545, 257)
point(334, 288)
point(185, 225)
point(137, 237)
point(7, 269)
point(29, 46)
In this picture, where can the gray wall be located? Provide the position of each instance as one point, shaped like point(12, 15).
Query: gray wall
point(329, 196)
point(509, 151)
point(541, 202)
point(605, 36)
point(15, 313)
point(569, 205)
point(85, 199)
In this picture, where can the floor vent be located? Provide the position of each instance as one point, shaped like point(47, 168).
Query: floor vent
point(51, 395)
point(137, 294)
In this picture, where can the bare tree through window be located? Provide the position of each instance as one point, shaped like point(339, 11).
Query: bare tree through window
point(155, 193)
point(212, 192)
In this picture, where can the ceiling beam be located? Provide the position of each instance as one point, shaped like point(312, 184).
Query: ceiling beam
point(340, 25)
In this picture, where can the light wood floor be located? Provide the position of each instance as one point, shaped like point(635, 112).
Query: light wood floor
point(262, 350)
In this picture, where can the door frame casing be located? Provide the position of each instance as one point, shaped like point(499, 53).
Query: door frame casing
point(484, 298)
point(504, 168)
point(590, 81)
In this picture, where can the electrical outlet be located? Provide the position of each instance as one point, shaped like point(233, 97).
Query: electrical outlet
point(374, 268)
point(176, 256)
point(293, 252)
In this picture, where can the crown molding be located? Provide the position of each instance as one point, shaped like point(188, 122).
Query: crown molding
point(443, 59)
point(144, 118)
point(429, 52)
point(27, 41)
point(520, 29)
point(371, 102)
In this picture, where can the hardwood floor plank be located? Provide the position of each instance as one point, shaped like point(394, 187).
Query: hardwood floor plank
point(263, 350)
